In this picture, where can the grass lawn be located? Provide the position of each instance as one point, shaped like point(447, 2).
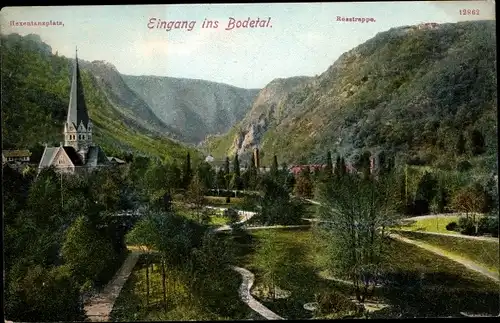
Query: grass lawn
point(482, 252)
point(433, 224)
point(436, 224)
point(218, 220)
point(182, 306)
point(221, 201)
point(418, 283)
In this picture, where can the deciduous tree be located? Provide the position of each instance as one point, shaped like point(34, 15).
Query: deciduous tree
point(357, 213)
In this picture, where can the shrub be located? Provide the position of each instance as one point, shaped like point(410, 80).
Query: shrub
point(464, 166)
point(232, 215)
point(334, 302)
point(488, 225)
point(466, 226)
point(451, 226)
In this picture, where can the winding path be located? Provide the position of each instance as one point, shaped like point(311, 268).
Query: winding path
point(458, 235)
point(100, 306)
point(246, 296)
point(465, 262)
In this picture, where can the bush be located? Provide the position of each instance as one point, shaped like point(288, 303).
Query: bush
point(464, 166)
point(334, 302)
point(466, 226)
point(451, 226)
point(488, 225)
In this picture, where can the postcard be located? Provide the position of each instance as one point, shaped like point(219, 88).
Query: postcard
point(250, 161)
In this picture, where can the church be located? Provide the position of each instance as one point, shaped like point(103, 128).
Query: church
point(78, 154)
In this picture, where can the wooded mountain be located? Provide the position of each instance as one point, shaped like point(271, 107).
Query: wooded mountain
point(196, 108)
point(408, 90)
point(35, 95)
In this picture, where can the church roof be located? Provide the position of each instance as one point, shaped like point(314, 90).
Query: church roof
point(96, 156)
point(48, 156)
point(77, 109)
point(73, 155)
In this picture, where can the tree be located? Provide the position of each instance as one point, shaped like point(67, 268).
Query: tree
point(385, 163)
point(363, 164)
point(142, 235)
point(357, 213)
point(206, 174)
point(252, 174)
point(340, 167)
point(304, 186)
point(41, 294)
point(236, 182)
point(221, 180)
point(85, 252)
point(236, 165)
point(460, 148)
point(276, 205)
point(476, 142)
point(196, 194)
point(226, 166)
point(187, 171)
point(270, 260)
point(329, 165)
point(469, 200)
point(426, 192)
point(274, 168)
point(211, 261)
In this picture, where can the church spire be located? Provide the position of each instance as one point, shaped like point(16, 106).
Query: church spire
point(77, 110)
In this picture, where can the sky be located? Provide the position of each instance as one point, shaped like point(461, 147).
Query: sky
point(301, 39)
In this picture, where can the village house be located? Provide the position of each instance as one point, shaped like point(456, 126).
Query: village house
point(78, 154)
point(15, 156)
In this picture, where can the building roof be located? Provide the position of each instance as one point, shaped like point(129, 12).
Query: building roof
point(77, 109)
point(116, 160)
point(73, 155)
point(16, 153)
point(48, 155)
point(96, 156)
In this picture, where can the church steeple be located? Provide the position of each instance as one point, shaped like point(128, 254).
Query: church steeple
point(77, 110)
point(78, 127)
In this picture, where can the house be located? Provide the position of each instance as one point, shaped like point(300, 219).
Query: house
point(296, 169)
point(116, 161)
point(78, 154)
point(13, 156)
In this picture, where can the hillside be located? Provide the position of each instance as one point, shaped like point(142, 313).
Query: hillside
point(266, 110)
point(35, 95)
point(126, 100)
point(407, 91)
point(196, 108)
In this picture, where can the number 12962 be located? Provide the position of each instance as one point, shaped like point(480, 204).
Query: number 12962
point(469, 12)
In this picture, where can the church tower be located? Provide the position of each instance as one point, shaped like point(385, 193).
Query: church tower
point(78, 127)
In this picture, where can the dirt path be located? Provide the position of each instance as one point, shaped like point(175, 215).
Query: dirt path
point(246, 296)
point(462, 236)
point(100, 306)
point(465, 262)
